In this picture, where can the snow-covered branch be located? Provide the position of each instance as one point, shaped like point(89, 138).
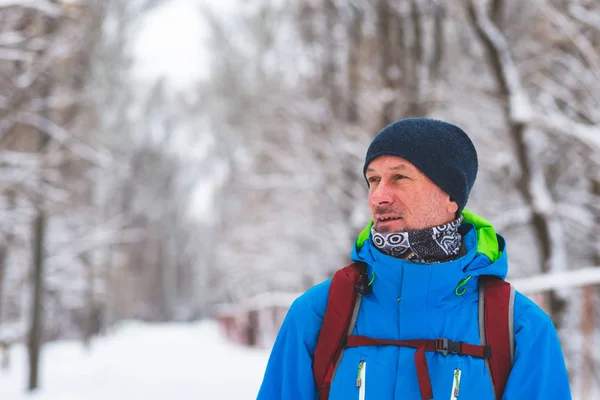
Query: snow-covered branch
point(16, 55)
point(97, 241)
point(583, 15)
point(556, 123)
point(587, 50)
point(513, 218)
point(559, 280)
point(19, 159)
point(43, 6)
point(520, 108)
point(58, 133)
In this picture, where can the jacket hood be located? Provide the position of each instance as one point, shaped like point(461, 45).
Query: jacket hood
point(485, 255)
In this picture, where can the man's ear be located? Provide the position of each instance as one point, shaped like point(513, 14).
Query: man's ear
point(452, 206)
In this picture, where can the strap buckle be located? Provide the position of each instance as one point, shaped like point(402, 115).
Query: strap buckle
point(363, 286)
point(487, 352)
point(446, 346)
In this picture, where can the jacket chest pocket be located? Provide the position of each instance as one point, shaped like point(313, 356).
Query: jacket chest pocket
point(461, 381)
point(448, 380)
point(455, 391)
point(364, 378)
point(361, 379)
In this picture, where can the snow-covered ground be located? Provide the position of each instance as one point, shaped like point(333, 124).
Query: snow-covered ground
point(141, 361)
point(145, 362)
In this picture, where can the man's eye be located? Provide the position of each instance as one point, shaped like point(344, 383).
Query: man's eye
point(373, 179)
point(398, 177)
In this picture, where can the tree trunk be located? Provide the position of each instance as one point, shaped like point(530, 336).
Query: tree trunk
point(533, 187)
point(542, 222)
point(591, 361)
point(169, 276)
point(435, 65)
point(39, 225)
point(252, 328)
point(588, 350)
point(416, 106)
point(4, 249)
point(108, 299)
point(89, 311)
point(353, 68)
point(5, 348)
point(3, 252)
point(331, 67)
point(35, 333)
point(390, 36)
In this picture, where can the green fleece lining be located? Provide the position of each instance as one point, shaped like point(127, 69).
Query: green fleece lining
point(487, 242)
point(364, 235)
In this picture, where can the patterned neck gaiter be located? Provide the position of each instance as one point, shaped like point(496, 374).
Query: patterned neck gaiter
point(431, 245)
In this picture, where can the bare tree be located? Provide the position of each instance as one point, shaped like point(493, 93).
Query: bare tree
point(518, 108)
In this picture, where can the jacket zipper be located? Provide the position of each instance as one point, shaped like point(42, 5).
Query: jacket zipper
point(361, 381)
point(455, 384)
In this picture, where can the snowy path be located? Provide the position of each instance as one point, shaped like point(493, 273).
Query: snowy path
point(143, 362)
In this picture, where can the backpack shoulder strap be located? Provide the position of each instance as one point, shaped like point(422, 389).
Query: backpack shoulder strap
point(340, 316)
point(496, 328)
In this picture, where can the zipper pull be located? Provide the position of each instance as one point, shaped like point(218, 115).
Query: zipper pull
point(360, 367)
point(456, 383)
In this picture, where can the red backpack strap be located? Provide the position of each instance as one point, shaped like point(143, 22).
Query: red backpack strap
point(496, 328)
point(340, 316)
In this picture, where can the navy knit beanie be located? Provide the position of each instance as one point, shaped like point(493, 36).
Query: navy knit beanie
point(442, 151)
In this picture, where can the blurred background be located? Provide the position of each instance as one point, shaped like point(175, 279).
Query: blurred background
point(174, 172)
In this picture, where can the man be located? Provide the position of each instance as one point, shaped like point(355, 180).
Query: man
point(425, 255)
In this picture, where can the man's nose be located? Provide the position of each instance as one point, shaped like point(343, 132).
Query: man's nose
point(382, 194)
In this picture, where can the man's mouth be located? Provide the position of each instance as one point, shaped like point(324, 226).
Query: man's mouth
point(384, 219)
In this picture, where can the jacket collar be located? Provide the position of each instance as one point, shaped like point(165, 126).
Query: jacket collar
point(437, 283)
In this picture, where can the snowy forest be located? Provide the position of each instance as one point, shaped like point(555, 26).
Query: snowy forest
point(124, 200)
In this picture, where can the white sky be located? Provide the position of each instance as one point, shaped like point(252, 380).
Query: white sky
point(171, 43)
point(172, 39)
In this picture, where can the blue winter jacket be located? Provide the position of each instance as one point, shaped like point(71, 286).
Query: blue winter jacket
point(417, 301)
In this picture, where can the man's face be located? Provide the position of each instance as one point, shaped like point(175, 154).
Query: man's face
point(402, 198)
